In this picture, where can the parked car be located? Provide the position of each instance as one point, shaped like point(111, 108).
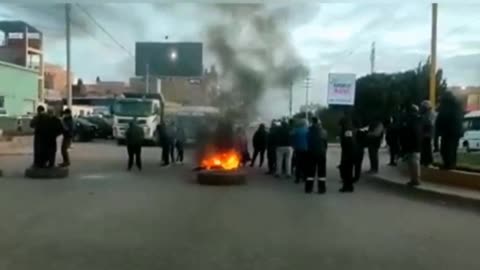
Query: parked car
point(84, 131)
point(105, 127)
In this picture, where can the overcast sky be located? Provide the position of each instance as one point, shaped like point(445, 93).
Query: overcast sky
point(330, 37)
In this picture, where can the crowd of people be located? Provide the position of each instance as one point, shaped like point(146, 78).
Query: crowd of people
point(171, 138)
point(294, 147)
point(414, 133)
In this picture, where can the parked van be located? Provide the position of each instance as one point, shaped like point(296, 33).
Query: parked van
point(471, 127)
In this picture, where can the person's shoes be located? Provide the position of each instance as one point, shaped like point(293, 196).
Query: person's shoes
point(345, 189)
point(322, 187)
point(166, 165)
point(413, 184)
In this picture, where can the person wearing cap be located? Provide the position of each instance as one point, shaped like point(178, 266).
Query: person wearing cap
point(411, 143)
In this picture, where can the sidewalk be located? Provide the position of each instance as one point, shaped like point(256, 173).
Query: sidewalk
point(17, 146)
point(390, 177)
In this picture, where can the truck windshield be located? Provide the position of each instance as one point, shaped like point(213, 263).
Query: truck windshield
point(133, 108)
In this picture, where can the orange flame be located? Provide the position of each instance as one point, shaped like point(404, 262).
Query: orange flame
point(227, 161)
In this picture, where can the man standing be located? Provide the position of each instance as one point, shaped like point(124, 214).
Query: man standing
point(67, 122)
point(316, 157)
point(411, 143)
point(375, 136)
point(360, 136)
point(449, 128)
point(300, 148)
point(164, 138)
point(284, 150)
point(347, 159)
point(55, 129)
point(180, 139)
point(271, 148)
point(259, 143)
point(134, 137)
point(427, 119)
point(38, 123)
point(392, 138)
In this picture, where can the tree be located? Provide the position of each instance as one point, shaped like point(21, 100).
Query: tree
point(379, 94)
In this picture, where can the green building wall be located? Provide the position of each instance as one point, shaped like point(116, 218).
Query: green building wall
point(19, 89)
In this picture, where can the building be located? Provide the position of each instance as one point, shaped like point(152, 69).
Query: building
point(106, 88)
point(469, 95)
point(196, 91)
point(56, 78)
point(21, 68)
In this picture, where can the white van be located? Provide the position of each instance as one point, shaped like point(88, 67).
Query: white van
point(471, 126)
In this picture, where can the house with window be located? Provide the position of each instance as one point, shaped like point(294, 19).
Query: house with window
point(21, 68)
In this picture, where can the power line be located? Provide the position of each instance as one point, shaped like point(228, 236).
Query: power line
point(90, 16)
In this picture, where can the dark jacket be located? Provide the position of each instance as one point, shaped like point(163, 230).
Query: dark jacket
point(284, 137)
point(67, 123)
point(55, 129)
point(411, 133)
point(134, 134)
point(40, 125)
point(272, 138)
point(260, 139)
point(317, 141)
point(300, 139)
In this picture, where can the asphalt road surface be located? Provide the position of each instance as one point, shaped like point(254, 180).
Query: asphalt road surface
point(104, 217)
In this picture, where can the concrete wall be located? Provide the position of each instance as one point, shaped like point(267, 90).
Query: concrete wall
point(19, 87)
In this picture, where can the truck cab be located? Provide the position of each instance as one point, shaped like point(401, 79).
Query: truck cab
point(147, 111)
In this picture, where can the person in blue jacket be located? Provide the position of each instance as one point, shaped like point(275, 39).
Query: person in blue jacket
point(300, 148)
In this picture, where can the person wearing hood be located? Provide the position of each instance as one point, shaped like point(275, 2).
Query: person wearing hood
point(134, 137)
point(316, 157)
point(259, 142)
point(300, 148)
point(38, 123)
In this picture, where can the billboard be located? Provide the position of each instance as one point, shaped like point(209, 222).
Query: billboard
point(169, 59)
point(341, 89)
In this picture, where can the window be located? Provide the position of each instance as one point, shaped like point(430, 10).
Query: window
point(475, 124)
point(2, 101)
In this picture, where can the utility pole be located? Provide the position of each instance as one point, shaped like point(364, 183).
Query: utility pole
point(433, 56)
point(291, 99)
point(307, 95)
point(68, 39)
point(372, 59)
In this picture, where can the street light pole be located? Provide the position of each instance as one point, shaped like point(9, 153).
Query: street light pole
point(433, 57)
point(68, 39)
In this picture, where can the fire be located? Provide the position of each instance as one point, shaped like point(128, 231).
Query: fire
point(227, 161)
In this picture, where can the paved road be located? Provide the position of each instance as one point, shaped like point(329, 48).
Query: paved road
point(106, 218)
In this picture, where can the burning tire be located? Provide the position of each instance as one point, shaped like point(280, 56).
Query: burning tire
point(221, 177)
point(46, 173)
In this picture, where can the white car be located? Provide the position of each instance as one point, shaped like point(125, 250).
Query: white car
point(471, 126)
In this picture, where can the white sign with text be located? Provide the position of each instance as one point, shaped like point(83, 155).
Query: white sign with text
point(341, 89)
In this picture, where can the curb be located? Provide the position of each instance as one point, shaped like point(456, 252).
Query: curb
point(425, 194)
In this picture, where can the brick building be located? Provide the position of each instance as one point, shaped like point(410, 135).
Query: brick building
point(56, 78)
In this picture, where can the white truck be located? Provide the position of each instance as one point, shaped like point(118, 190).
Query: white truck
point(148, 112)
